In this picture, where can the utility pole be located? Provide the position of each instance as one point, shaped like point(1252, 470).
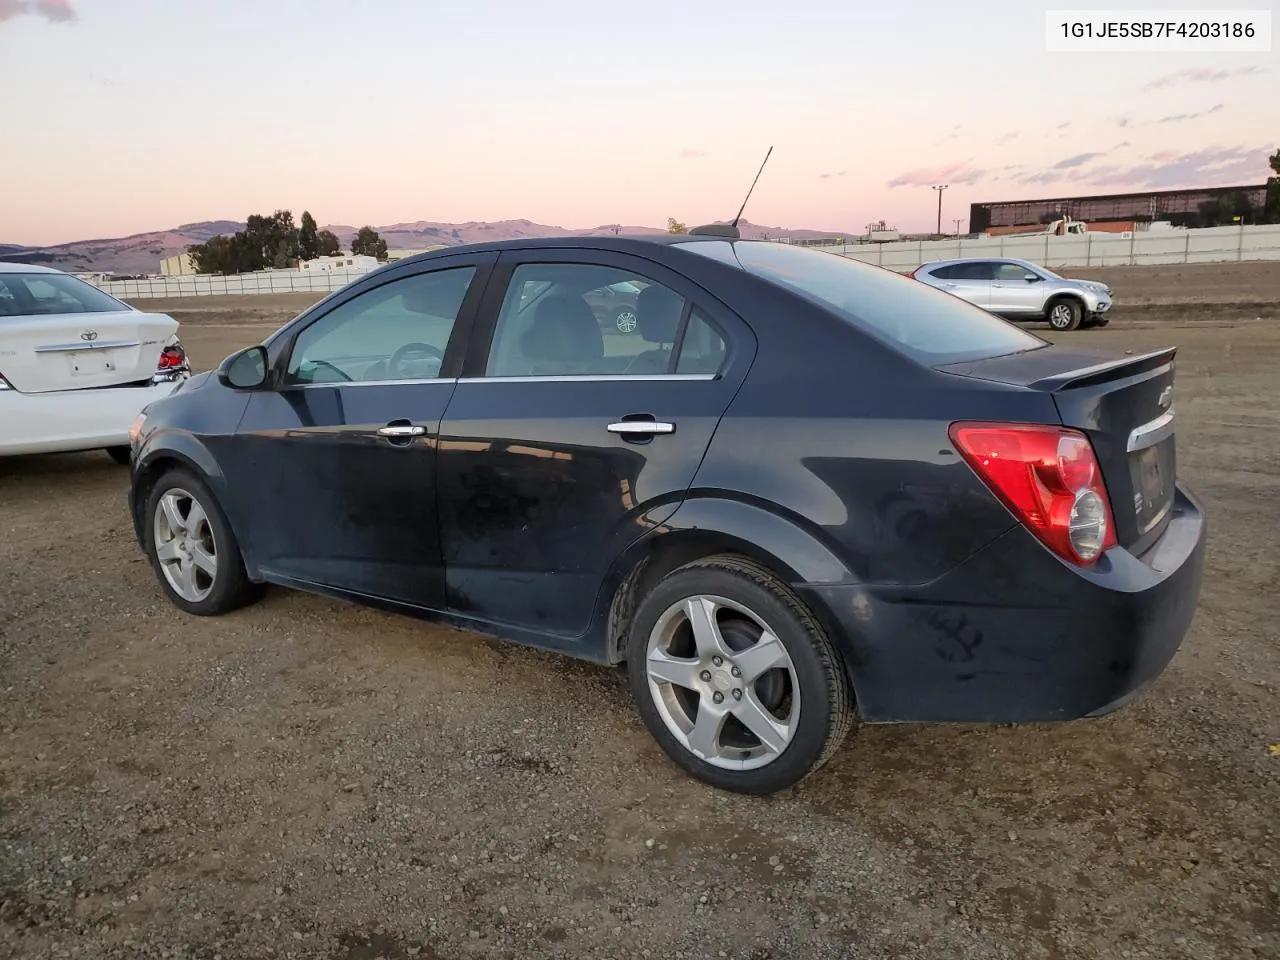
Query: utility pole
point(940, 188)
point(958, 222)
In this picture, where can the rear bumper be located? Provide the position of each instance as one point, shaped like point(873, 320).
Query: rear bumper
point(1016, 635)
point(68, 420)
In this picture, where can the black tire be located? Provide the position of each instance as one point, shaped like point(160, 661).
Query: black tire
point(1064, 314)
point(826, 711)
point(230, 586)
point(121, 455)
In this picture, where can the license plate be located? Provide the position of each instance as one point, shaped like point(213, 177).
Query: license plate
point(1150, 472)
point(89, 363)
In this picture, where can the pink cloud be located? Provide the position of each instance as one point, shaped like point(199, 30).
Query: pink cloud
point(55, 11)
point(928, 176)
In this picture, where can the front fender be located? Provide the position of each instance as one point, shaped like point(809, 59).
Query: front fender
point(162, 446)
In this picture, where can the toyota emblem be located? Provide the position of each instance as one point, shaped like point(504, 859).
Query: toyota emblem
point(89, 335)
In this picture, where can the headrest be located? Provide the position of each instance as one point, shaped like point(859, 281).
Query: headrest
point(564, 329)
point(658, 313)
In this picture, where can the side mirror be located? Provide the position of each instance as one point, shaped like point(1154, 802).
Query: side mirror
point(1032, 278)
point(246, 370)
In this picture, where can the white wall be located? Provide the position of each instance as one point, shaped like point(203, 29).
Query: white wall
point(1212, 245)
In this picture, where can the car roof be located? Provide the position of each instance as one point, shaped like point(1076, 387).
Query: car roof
point(10, 267)
point(621, 242)
point(946, 263)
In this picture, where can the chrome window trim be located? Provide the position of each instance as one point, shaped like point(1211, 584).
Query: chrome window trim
point(585, 378)
point(594, 378)
point(367, 383)
point(1150, 433)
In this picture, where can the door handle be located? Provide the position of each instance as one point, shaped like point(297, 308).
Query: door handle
point(641, 427)
point(401, 430)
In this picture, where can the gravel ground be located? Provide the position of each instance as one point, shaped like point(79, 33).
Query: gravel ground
point(305, 778)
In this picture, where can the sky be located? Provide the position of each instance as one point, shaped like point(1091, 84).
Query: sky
point(124, 116)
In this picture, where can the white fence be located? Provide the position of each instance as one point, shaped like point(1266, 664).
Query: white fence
point(213, 285)
point(1212, 245)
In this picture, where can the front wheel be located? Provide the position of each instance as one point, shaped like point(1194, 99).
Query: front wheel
point(192, 548)
point(1065, 315)
point(735, 679)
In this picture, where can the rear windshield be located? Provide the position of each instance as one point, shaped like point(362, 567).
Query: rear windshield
point(932, 325)
point(37, 294)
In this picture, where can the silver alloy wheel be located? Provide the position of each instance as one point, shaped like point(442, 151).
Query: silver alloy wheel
point(723, 683)
point(185, 545)
point(626, 321)
point(1060, 316)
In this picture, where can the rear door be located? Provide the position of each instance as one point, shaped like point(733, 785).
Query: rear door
point(59, 333)
point(969, 281)
point(1016, 292)
point(334, 469)
point(564, 443)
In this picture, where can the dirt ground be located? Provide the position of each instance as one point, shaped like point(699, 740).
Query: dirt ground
point(309, 779)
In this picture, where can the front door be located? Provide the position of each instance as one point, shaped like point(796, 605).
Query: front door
point(564, 442)
point(339, 460)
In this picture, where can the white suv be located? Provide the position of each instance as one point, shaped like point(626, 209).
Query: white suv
point(1021, 290)
point(77, 365)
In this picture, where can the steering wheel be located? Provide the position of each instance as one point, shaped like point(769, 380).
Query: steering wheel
point(394, 361)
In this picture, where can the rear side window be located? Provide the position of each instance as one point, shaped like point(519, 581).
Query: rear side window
point(592, 320)
point(44, 294)
point(926, 322)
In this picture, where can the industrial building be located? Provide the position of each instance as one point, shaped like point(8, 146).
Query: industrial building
point(1112, 212)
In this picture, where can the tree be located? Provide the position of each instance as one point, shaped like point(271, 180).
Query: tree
point(368, 243)
point(1271, 210)
point(308, 238)
point(675, 226)
point(327, 244)
point(264, 242)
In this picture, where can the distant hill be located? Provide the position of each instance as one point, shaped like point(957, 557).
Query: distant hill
point(141, 253)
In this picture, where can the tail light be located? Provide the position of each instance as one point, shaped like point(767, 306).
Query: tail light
point(1049, 478)
point(913, 273)
point(172, 363)
point(172, 357)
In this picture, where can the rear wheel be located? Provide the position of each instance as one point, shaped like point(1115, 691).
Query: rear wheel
point(625, 319)
point(735, 679)
point(1065, 314)
point(192, 548)
point(120, 455)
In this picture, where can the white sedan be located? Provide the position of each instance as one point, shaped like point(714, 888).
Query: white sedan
point(77, 365)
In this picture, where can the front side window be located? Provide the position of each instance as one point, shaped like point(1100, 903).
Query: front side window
point(397, 331)
point(925, 321)
point(1012, 271)
point(44, 294)
point(574, 319)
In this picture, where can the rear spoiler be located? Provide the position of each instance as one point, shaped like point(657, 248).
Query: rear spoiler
point(1107, 371)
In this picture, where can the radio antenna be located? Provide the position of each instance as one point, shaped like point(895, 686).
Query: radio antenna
point(730, 230)
point(753, 186)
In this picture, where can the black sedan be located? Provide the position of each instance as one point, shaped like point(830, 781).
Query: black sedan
point(807, 488)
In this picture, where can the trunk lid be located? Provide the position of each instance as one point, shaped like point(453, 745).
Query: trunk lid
point(1124, 405)
point(43, 353)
